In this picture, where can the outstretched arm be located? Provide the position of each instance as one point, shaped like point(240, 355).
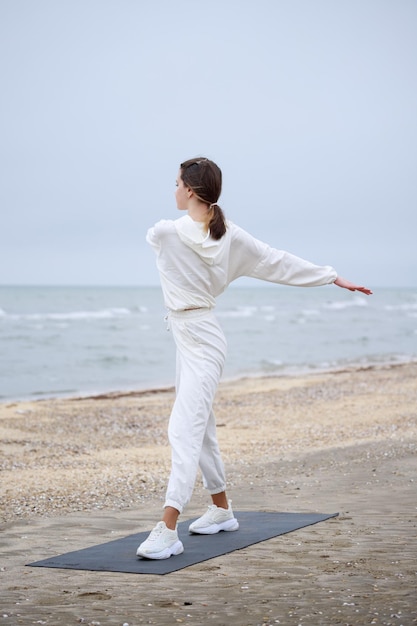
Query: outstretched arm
point(346, 284)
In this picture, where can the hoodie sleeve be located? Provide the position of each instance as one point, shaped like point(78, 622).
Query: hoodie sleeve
point(277, 266)
point(155, 234)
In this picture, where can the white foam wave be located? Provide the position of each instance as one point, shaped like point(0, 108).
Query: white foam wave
point(401, 307)
point(310, 312)
point(339, 305)
point(71, 315)
point(243, 311)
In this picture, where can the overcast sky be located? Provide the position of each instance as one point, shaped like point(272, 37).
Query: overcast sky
point(308, 106)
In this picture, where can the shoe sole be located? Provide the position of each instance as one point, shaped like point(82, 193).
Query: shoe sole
point(229, 525)
point(173, 550)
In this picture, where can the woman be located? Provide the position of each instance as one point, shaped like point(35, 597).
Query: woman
point(198, 256)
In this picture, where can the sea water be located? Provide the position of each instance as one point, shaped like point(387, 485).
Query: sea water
point(64, 341)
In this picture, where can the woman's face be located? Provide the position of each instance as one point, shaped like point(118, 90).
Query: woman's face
point(181, 194)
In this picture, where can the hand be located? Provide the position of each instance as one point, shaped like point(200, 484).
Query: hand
point(346, 284)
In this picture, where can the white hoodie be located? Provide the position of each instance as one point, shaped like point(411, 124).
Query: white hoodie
point(194, 268)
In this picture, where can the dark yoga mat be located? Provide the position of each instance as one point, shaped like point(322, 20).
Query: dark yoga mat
point(120, 555)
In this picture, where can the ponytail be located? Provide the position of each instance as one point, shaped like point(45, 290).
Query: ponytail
point(217, 222)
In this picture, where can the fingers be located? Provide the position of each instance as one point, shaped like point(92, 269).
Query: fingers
point(346, 284)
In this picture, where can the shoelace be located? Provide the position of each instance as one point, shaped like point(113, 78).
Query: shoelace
point(155, 533)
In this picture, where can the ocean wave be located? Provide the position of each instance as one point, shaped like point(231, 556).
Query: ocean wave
point(367, 360)
point(338, 305)
point(116, 312)
point(409, 306)
point(242, 311)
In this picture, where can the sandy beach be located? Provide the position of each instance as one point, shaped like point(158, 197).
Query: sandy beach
point(82, 471)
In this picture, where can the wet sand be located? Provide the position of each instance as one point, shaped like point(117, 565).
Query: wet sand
point(83, 471)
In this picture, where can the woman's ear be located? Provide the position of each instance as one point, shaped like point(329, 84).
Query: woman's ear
point(189, 192)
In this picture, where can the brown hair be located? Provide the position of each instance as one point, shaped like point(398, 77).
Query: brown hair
point(205, 179)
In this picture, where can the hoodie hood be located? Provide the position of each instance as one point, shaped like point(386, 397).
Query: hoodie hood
point(194, 235)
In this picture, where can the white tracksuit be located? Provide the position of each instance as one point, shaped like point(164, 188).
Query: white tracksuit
point(194, 269)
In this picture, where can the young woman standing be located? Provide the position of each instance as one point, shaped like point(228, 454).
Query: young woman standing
point(198, 256)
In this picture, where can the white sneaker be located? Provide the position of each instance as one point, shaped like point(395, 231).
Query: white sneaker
point(215, 520)
point(161, 543)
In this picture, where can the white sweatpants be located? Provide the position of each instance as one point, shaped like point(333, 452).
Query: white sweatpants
point(201, 352)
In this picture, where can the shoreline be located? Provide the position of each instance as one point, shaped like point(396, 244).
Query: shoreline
point(289, 372)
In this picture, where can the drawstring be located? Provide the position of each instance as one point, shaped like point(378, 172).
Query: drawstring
point(167, 322)
point(187, 313)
